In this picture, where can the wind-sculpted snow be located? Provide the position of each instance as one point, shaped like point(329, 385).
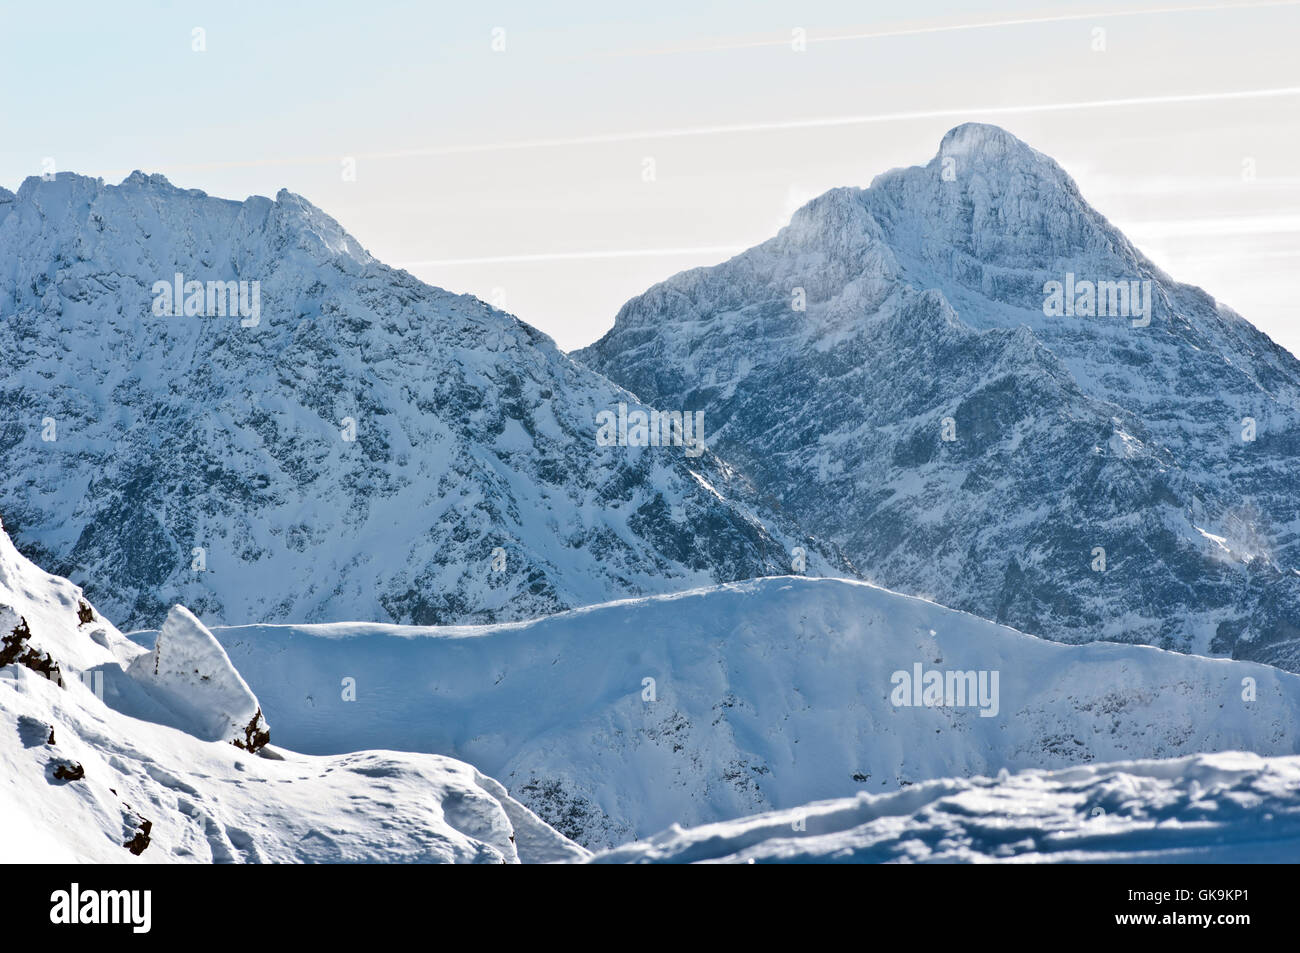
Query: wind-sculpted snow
point(617, 721)
point(1075, 477)
point(1221, 808)
point(81, 780)
point(353, 444)
point(190, 674)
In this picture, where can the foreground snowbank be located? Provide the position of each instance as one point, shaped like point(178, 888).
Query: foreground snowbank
point(162, 780)
point(1223, 808)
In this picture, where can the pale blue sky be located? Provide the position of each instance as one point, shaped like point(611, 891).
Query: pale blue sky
point(453, 183)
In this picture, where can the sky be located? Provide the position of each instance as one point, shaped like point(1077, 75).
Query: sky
point(557, 159)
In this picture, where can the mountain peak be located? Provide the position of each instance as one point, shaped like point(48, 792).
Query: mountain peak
point(211, 220)
point(991, 148)
point(144, 178)
point(983, 139)
point(354, 397)
point(990, 201)
point(832, 358)
point(322, 226)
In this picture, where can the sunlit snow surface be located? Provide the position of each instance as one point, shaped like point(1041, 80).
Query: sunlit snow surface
point(1223, 808)
point(766, 694)
point(560, 705)
point(206, 800)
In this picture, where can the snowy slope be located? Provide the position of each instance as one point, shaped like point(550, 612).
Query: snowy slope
point(1225, 808)
point(79, 780)
point(766, 694)
point(1070, 435)
point(196, 460)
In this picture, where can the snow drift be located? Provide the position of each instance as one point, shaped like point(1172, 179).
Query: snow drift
point(188, 669)
point(1223, 808)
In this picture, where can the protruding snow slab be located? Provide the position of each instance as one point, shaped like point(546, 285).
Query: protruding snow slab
point(189, 673)
point(1223, 808)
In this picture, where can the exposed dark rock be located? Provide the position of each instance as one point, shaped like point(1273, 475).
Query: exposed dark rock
point(14, 650)
point(69, 771)
point(255, 736)
point(140, 841)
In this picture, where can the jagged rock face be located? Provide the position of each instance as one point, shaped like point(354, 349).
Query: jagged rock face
point(925, 319)
point(205, 460)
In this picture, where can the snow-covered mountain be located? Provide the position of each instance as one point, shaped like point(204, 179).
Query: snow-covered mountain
point(616, 721)
point(1224, 809)
point(341, 442)
point(109, 753)
point(886, 369)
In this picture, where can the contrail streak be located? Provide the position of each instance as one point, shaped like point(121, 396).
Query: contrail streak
point(577, 256)
point(1151, 229)
point(822, 122)
point(832, 121)
point(955, 27)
